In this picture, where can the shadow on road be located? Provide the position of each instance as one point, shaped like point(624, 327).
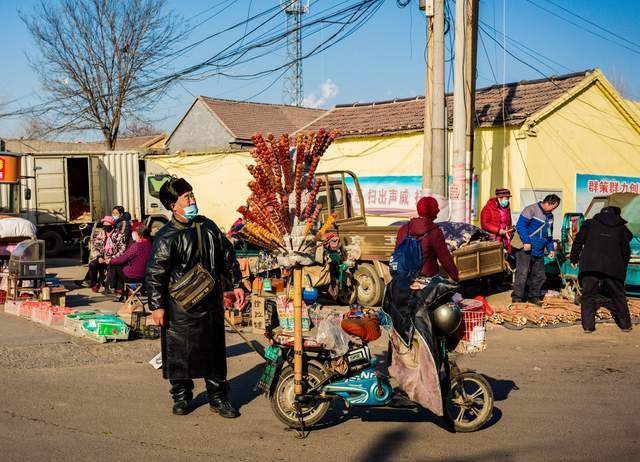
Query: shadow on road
point(242, 389)
point(242, 348)
point(501, 388)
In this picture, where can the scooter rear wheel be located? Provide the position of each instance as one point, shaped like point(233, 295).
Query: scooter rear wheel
point(283, 399)
point(469, 403)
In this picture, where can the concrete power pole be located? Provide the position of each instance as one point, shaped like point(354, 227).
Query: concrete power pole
point(471, 46)
point(438, 117)
point(457, 189)
point(427, 180)
point(293, 90)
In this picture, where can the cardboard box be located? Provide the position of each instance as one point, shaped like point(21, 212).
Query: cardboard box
point(233, 315)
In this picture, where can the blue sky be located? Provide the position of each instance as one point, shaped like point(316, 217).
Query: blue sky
point(383, 60)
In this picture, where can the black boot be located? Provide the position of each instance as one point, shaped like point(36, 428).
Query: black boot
point(217, 391)
point(181, 407)
point(182, 394)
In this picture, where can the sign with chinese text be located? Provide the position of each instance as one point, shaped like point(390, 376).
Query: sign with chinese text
point(590, 186)
point(9, 169)
point(387, 195)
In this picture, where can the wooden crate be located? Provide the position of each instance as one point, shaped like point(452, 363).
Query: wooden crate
point(479, 259)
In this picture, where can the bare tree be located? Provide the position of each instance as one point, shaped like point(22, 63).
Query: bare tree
point(619, 82)
point(139, 128)
point(100, 60)
point(34, 128)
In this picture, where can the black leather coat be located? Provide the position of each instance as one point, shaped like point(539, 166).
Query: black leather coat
point(193, 343)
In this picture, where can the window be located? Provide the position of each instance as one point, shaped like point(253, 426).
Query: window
point(9, 195)
point(155, 182)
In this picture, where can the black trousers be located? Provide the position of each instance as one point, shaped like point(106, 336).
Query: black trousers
point(96, 272)
point(591, 293)
point(182, 389)
point(117, 277)
point(530, 277)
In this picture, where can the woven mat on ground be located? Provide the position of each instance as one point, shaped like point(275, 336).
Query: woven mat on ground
point(555, 311)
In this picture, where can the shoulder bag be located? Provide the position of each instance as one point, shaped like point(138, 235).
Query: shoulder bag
point(516, 241)
point(195, 284)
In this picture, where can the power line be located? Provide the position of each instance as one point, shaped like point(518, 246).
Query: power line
point(579, 26)
point(593, 24)
point(527, 50)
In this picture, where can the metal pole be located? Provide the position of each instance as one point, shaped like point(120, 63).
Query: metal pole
point(297, 330)
point(471, 46)
point(457, 189)
point(427, 180)
point(439, 127)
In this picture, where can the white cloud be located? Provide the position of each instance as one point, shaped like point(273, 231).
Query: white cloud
point(328, 90)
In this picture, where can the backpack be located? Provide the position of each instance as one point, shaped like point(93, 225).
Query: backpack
point(407, 257)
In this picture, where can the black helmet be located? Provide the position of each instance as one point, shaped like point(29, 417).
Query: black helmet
point(446, 319)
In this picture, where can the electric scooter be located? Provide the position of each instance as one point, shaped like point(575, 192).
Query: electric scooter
point(353, 378)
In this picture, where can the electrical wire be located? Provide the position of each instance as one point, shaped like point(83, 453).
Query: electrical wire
point(594, 24)
point(579, 26)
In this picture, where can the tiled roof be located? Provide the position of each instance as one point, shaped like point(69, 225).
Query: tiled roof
point(244, 119)
point(521, 99)
point(122, 144)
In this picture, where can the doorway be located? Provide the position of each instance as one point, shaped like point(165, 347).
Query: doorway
point(79, 189)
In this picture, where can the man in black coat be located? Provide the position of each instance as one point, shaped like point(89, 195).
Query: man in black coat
point(603, 251)
point(193, 341)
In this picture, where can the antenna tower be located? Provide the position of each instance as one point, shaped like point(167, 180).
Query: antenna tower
point(292, 91)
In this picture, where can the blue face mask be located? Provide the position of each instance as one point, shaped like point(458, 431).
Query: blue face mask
point(190, 212)
point(504, 202)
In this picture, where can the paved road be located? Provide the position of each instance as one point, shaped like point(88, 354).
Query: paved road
point(560, 395)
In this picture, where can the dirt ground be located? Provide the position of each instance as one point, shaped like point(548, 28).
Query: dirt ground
point(560, 395)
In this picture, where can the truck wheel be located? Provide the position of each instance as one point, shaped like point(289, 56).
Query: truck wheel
point(349, 292)
point(369, 285)
point(53, 243)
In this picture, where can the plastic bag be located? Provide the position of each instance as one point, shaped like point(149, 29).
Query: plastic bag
point(331, 335)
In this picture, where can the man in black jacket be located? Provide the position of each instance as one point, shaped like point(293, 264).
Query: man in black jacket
point(603, 251)
point(193, 342)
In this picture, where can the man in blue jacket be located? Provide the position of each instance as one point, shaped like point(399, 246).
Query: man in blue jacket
point(535, 228)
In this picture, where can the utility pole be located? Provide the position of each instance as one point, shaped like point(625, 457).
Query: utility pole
point(427, 180)
point(293, 90)
point(438, 121)
point(471, 47)
point(457, 189)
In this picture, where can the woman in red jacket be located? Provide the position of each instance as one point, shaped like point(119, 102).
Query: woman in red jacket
point(495, 217)
point(434, 248)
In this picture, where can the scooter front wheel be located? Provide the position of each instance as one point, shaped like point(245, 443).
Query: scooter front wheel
point(283, 399)
point(469, 403)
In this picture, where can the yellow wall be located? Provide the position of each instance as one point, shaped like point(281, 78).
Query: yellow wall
point(586, 135)
point(219, 182)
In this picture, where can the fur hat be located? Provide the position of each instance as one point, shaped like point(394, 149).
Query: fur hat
point(172, 189)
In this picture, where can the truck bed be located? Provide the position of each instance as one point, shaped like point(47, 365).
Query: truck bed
point(377, 243)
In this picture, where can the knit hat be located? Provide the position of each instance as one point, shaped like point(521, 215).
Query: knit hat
point(428, 207)
point(108, 219)
point(172, 189)
point(503, 192)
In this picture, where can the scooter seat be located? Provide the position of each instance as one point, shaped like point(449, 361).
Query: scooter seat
point(368, 329)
